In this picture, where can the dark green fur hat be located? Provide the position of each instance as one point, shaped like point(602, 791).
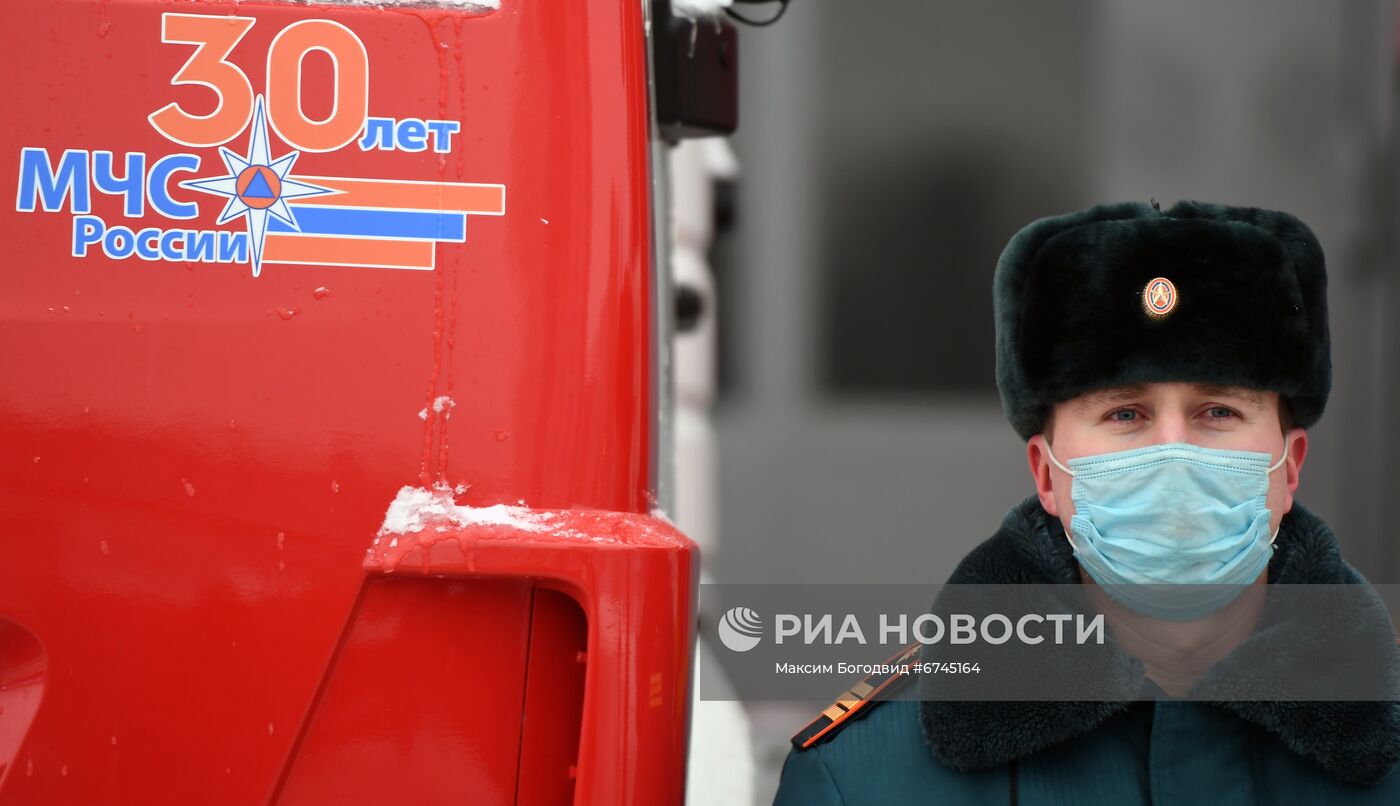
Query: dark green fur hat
point(1081, 304)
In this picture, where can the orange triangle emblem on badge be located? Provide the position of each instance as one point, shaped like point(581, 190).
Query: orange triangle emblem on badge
point(1159, 297)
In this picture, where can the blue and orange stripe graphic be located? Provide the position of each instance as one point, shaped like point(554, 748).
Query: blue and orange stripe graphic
point(379, 223)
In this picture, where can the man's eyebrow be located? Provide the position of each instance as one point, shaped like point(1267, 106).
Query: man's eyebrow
point(1215, 390)
point(1116, 394)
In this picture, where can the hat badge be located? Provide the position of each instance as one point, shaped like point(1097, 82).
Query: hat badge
point(1159, 297)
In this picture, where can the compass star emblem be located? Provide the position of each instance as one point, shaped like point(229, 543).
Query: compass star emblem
point(257, 187)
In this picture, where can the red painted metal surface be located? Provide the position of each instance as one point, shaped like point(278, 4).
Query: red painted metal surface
point(194, 459)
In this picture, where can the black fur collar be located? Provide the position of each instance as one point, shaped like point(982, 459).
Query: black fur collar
point(1357, 742)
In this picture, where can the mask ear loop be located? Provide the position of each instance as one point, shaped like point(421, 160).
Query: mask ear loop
point(1055, 461)
point(1275, 466)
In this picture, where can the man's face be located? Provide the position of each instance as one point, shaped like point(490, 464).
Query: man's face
point(1126, 417)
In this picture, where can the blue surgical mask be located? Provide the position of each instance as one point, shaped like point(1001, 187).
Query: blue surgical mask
point(1156, 524)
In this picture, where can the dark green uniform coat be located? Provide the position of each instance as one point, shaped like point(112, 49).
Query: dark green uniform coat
point(1163, 752)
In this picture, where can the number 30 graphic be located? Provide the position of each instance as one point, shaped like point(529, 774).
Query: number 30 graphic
point(214, 39)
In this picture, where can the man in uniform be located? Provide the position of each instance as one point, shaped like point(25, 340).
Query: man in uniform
point(1163, 367)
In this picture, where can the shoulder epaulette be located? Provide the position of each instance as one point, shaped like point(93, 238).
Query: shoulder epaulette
point(857, 697)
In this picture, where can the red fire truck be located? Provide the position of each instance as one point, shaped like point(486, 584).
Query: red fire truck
point(332, 421)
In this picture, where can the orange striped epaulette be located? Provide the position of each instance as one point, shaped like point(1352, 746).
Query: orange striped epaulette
point(857, 697)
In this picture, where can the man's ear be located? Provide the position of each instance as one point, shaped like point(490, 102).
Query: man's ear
point(1295, 443)
point(1039, 461)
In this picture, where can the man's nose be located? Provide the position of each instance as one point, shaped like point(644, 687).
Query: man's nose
point(1170, 427)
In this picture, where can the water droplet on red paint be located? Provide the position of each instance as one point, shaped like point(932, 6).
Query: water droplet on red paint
point(321, 293)
point(271, 728)
point(502, 435)
point(286, 313)
point(114, 741)
point(281, 540)
point(296, 286)
point(29, 767)
point(36, 460)
point(87, 409)
point(105, 549)
point(281, 566)
point(189, 488)
point(230, 425)
point(335, 486)
point(137, 328)
point(63, 771)
point(66, 309)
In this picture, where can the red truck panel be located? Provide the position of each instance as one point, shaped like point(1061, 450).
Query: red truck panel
point(229, 337)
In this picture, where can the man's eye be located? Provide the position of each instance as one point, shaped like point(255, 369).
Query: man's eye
point(1123, 415)
point(1220, 412)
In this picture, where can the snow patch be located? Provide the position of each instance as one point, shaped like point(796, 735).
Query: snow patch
point(441, 403)
point(415, 509)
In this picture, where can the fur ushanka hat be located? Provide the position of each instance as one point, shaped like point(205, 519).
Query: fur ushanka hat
point(1127, 293)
